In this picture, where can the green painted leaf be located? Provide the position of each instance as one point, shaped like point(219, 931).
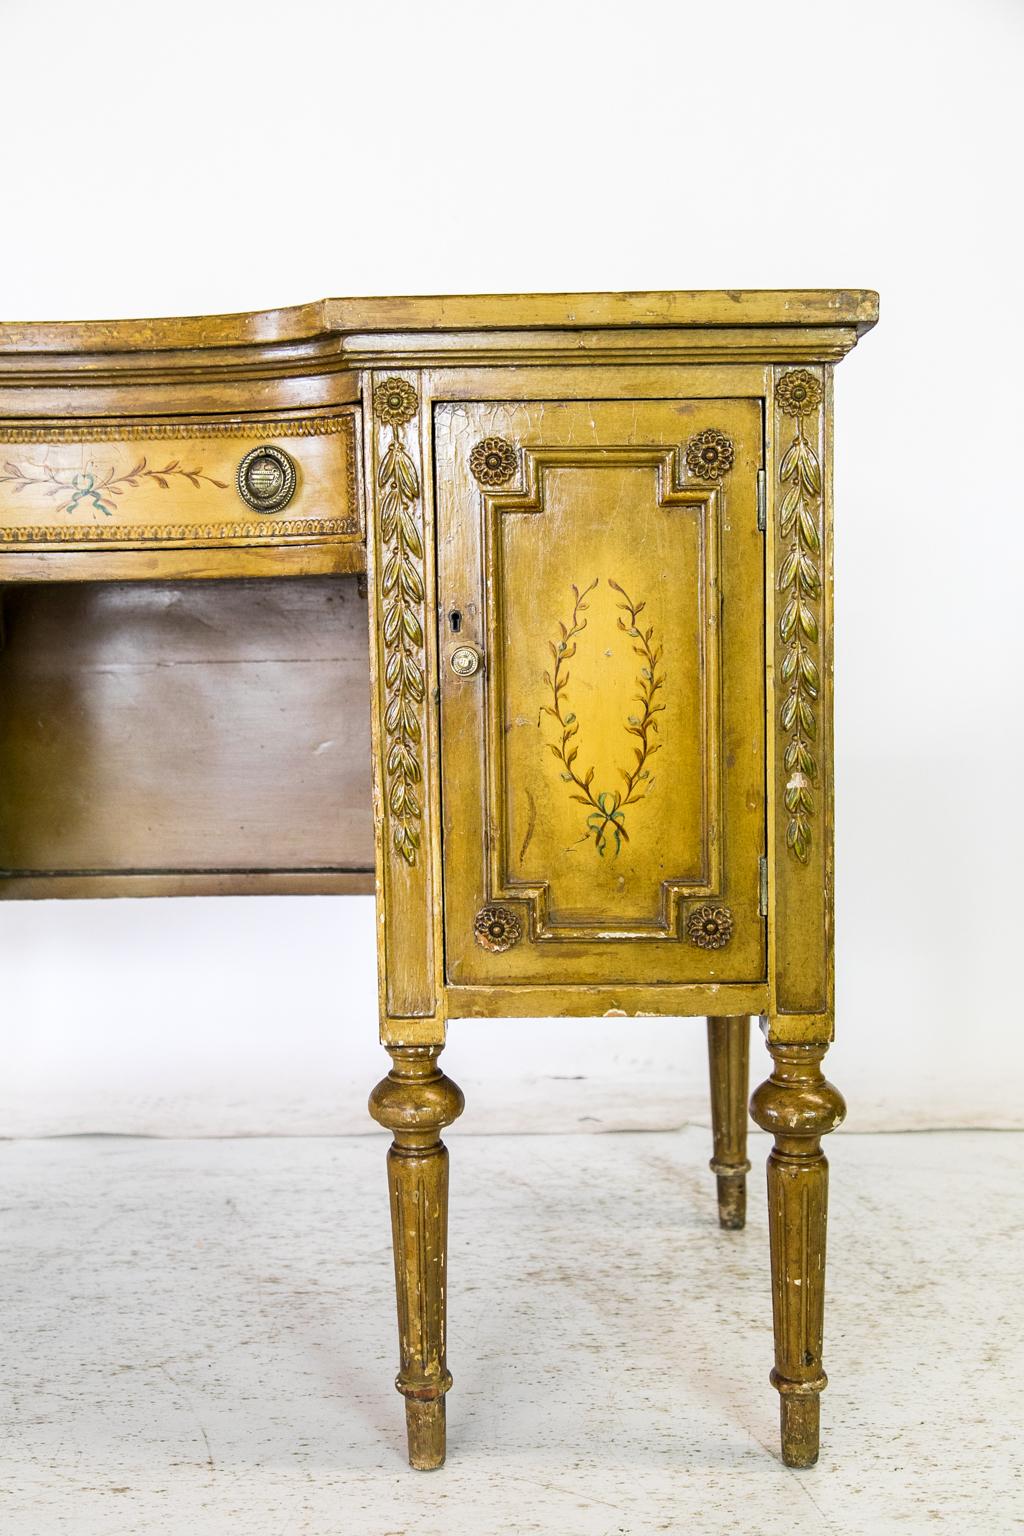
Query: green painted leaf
point(788, 569)
point(392, 622)
point(810, 474)
point(809, 674)
point(386, 469)
point(410, 534)
point(787, 512)
point(412, 626)
point(809, 531)
point(791, 461)
point(412, 584)
point(405, 474)
point(809, 578)
point(808, 621)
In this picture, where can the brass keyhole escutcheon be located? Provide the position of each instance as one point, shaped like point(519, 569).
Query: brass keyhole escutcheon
point(465, 661)
point(267, 478)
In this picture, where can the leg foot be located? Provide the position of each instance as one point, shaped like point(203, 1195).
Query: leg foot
point(424, 1424)
point(728, 1062)
point(798, 1107)
point(415, 1102)
point(799, 1420)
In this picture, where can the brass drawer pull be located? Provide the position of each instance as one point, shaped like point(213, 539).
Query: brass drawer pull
point(266, 478)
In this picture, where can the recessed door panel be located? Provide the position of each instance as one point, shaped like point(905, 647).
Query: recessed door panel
point(600, 575)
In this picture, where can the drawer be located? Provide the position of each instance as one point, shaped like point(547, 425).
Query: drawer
point(179, 484)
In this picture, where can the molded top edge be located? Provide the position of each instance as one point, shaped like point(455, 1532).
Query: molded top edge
point(849, 308)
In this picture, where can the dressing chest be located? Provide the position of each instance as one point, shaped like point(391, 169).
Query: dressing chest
point(517, 610)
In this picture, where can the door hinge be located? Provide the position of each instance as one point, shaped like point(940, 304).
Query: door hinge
point(762, 501)
point(762, 887)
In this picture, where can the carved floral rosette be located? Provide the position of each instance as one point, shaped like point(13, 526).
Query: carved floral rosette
point(493, 461)
point(709, 454)
point(401, 584)
point(800, 619)
point(497, 928)
point(709, 926)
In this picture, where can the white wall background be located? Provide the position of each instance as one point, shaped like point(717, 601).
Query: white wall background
point(200, 158)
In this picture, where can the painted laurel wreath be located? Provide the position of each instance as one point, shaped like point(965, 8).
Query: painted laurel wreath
point(606, 821)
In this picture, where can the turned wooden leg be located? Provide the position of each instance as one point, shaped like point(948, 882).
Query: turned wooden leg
point(415, 1102)
point(728, 1058)
point(798, 1107)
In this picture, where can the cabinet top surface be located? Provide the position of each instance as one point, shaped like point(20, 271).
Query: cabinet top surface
point(854, 309)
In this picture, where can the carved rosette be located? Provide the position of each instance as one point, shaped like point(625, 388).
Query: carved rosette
point(395, 404)
point(709, 454)
point(798, 395)
point(497, 928)
point(709, 927)
point(493, 461)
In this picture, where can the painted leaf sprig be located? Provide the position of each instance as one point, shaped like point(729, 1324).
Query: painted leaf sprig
point(402, 591)
point(643, 726)
point(606, 819)
point(89, 488)
point(800, 582)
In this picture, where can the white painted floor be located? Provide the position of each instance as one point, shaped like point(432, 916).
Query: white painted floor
point(198, 1337)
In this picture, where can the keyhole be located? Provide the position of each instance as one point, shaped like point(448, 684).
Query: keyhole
point(455, 620)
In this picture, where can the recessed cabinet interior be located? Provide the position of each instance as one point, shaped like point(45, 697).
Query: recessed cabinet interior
point(519, 607)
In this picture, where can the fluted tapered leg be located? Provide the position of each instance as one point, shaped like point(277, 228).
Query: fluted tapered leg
point(728, 1062)
point(415, 1102)
point(798, 1106)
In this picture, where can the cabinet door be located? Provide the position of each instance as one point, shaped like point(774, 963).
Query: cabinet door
point(603, 768)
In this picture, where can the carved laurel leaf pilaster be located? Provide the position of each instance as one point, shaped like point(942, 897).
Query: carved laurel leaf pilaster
point(798, 396)
point(395, 403)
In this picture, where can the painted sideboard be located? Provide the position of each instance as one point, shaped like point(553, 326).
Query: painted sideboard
point(515, 609)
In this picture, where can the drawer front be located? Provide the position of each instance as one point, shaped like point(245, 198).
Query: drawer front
point(144, 483)
point(601, 591)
